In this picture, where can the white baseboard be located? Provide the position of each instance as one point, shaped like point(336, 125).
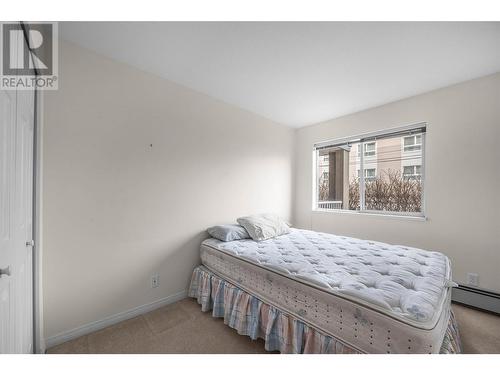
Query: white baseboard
point(113, 319)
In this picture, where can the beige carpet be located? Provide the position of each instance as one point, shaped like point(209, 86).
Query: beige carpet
point(183, 328)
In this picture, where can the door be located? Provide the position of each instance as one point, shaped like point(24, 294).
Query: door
point(16, 221)
point(7, 208)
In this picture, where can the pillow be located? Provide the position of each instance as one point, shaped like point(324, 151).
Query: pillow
point(263, 227)
point(229, 232)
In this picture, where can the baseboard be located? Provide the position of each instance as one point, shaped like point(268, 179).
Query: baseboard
point(478, 298)
point(113, 319)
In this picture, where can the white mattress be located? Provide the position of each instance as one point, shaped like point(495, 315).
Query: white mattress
point(375, 297)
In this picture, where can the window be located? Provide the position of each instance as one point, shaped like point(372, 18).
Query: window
point(369, 149)
point(413, 143)
point(392, 180)
point(412, 172)
point(370, 174)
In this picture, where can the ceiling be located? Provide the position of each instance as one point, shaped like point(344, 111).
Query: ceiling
point(300, 73)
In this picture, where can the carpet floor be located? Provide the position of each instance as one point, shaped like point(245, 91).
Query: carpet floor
point(183, 328)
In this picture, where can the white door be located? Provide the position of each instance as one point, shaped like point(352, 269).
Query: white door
point(7, 209)
point(16, 203)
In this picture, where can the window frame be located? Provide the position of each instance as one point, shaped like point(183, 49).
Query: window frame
point(419, 128)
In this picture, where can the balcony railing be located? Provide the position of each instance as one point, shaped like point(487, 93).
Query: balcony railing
point(330, 205)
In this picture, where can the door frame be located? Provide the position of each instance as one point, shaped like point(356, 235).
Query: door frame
point(38, 335)
point(37, 312)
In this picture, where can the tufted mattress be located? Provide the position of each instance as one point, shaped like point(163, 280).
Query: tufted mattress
point(374, 297)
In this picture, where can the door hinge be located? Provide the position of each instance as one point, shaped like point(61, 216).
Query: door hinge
point(30, 243)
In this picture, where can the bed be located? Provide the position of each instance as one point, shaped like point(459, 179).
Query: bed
point(311, 292)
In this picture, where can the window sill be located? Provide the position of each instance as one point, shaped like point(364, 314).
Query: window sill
point(376, 214)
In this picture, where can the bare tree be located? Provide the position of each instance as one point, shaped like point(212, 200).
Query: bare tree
point(323, 190)
point(354, 194)
point(389, 191)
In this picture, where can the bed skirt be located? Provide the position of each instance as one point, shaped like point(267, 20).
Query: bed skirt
point(281, 332)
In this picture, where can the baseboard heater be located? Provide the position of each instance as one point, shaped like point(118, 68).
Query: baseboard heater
point(478, 298)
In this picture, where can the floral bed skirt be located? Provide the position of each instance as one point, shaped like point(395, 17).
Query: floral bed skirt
point(280, 331)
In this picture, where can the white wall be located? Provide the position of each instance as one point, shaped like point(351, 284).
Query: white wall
point(462, 177)
point(117, 210)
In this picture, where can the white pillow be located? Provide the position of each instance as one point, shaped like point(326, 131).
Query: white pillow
point(263, 227)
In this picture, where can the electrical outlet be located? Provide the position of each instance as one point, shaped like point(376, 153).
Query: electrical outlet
point(473, 279)
point(155, 281)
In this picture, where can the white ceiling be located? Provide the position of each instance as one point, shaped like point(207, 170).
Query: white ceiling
point(300, 73)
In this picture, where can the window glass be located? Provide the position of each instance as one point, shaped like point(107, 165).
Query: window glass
point(391, 181)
